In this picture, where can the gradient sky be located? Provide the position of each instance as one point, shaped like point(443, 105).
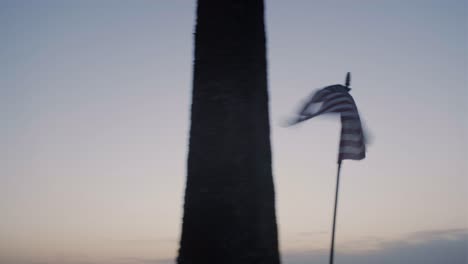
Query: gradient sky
point(95, 103)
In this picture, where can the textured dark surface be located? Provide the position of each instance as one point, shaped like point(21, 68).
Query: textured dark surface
point(229, 209)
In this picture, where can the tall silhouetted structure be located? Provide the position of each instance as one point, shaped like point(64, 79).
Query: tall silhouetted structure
point(229, 210)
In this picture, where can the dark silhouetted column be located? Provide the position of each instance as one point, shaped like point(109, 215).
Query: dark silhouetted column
point(229, 209)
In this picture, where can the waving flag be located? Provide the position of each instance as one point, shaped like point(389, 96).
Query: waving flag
point(336, 99)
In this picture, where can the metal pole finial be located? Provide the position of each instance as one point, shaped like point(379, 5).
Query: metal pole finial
point(348, 79)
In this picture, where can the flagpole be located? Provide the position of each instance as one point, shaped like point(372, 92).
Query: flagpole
point(332, 250)
point(334, 213)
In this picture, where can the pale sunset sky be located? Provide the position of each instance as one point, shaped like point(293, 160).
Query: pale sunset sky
point(94, 109)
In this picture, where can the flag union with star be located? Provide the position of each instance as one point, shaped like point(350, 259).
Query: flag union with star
point(336, 99)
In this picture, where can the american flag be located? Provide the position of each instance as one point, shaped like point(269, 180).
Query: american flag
point(336, 99)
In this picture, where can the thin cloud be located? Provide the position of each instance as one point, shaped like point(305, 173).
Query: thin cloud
point(313, 233)
point(431, 234)
point(149, 240)
point(424, 247)
point(165, 261)
point(146, 261)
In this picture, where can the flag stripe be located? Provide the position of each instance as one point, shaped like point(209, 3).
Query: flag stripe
point(356, 131)
point(352, 113)
point(359, 156)
point(351, 125)
point(338, 100)
point(320, 95)
point(349, 118)
point(353, 137)
point(351, 143)
point(332, 96)
point(351, 149)
point(339, 107)
point(343, 99)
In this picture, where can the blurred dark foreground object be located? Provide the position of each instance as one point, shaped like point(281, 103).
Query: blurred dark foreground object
point(229, 207)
